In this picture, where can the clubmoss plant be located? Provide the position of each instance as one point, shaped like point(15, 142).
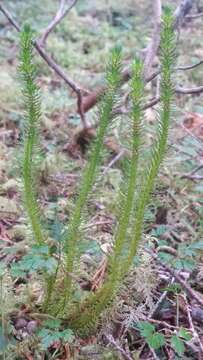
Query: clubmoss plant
point(113, 80)
point(30, 91)
point(83, 317)
point(137, 89)
point(32, 106)
point(86, 318)
point(167, 55)
point(89, 311)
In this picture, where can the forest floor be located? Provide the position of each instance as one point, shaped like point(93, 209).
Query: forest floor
point(155, 316)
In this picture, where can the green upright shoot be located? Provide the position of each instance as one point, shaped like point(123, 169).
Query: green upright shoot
point(30, 93)
point(86, 318)
point(167, 49)
point(113, 79)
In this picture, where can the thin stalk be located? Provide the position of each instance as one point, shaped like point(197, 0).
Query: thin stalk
point(2, 313)
point(137, 85)
point(72, 235)
point(159, 149)
point(30, 93)
point(29, 197)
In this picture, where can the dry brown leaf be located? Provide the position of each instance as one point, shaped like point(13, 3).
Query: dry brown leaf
point(194, 122)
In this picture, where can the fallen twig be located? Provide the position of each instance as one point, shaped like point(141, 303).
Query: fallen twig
point(160, 301)
point(113, 342)
point(191, 293)
point(97, 223)
point(113, 161)
point(192, 328)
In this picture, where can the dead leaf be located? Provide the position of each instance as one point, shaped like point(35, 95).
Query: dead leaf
point(194, 122)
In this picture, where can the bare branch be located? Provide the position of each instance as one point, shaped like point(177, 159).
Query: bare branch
point(91, 100)
point(194, 16)
point(189, 67)
point(151, 103)
point(178, 90)
point(153, 46)
point(192, 177)
point(196, 90)
point(156, 100)
point(54, 66)
point(181, 11)
point(64, 8)
point(59, 71)
point(9, 17)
